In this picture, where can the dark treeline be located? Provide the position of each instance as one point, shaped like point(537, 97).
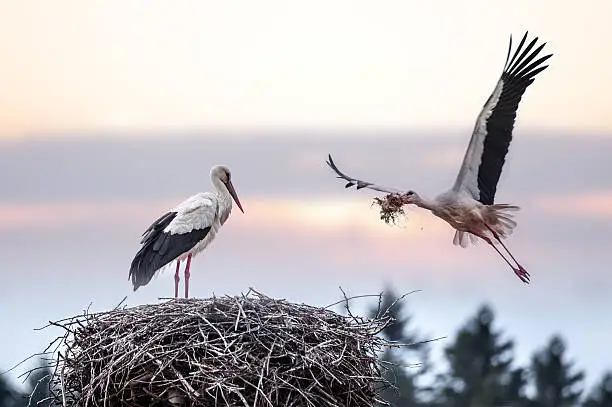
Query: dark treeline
point(479, 368)
point(35, 393)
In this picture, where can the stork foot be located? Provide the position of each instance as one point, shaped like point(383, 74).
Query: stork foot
point(522, 274)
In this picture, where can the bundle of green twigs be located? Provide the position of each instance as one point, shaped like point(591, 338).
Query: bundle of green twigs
point(249, 350)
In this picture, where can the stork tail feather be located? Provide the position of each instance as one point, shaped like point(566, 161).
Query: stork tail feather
point(463, 239)
point(498, 217)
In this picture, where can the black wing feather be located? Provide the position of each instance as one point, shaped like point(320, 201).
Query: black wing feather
point(160, 248)
point(517, 76)
point(159, 224)
point(354, 181)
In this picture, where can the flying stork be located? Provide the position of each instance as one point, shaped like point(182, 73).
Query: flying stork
point(184, 231)
point(469, 205)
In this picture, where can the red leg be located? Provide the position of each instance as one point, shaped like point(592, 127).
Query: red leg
point(523, 276)
point(187, 274)
point(521, 270)
point(176, 278)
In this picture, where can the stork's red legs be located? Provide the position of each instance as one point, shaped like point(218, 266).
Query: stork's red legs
point(187, 274)
point(520, 272)
point(176, 278)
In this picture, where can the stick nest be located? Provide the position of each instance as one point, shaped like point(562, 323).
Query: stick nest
point(391, 207)
point(248, 350)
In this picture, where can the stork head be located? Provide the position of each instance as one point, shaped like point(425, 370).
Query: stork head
point(222, 174)
point(410, 198)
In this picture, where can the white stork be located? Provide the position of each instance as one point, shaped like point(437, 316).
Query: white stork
point(184, 231)
point(469, 205)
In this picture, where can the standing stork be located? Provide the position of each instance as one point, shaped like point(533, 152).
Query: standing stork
point(469, 205)
point(185, 231)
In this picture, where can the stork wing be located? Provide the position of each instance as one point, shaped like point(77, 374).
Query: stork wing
point(157, 226)
point(196, 212)
point(486, 153)
point(173, 234)
point(360, 184)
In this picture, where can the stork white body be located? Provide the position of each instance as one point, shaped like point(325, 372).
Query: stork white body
point(469, 205)
point(184, 231)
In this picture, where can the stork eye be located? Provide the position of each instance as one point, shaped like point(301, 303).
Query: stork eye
point(410, 193)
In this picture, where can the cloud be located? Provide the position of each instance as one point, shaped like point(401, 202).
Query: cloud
point(449, 158)
point(287, 190)
point(578, 205)
point(114, 168)
point(60, 215)
point(93, 184)
point(344, 231)
point(263, 213)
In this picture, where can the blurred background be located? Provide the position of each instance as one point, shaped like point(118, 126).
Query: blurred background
point(112, 112)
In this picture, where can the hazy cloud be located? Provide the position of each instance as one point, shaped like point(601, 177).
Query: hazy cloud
point(52, 170)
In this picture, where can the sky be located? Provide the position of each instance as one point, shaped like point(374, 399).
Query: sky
point(73, 211)
point(113, 112)
point(72, 65)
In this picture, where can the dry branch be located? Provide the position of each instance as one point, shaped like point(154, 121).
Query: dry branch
point(248, 350)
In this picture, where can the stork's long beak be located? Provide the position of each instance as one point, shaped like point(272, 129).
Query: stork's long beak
point(232, 191)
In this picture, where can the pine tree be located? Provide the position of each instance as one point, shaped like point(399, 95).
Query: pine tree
point(38, 387)
point(8, 396)
point(405, 379)
point(480, 371)
point(556, 384)
point(601, 396)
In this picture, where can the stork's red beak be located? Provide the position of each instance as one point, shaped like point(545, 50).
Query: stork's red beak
point(232, 192)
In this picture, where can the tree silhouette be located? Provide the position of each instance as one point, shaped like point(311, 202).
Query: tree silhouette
point(405, 379)
point(38, 384)
point(480, 371)
point(556, 385)
point(8, 396)
point(601, 396)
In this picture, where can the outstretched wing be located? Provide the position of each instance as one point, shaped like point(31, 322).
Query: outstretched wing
point(486, 153)
point(359, 183)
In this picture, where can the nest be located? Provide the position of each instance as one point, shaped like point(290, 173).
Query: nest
point(248, 350)
point(391, 207)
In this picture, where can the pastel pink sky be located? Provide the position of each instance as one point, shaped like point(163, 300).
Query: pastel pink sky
point(70, 65)
point(297, 217)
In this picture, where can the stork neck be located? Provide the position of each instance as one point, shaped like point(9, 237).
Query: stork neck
point(425, 203)
point(223, 192)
